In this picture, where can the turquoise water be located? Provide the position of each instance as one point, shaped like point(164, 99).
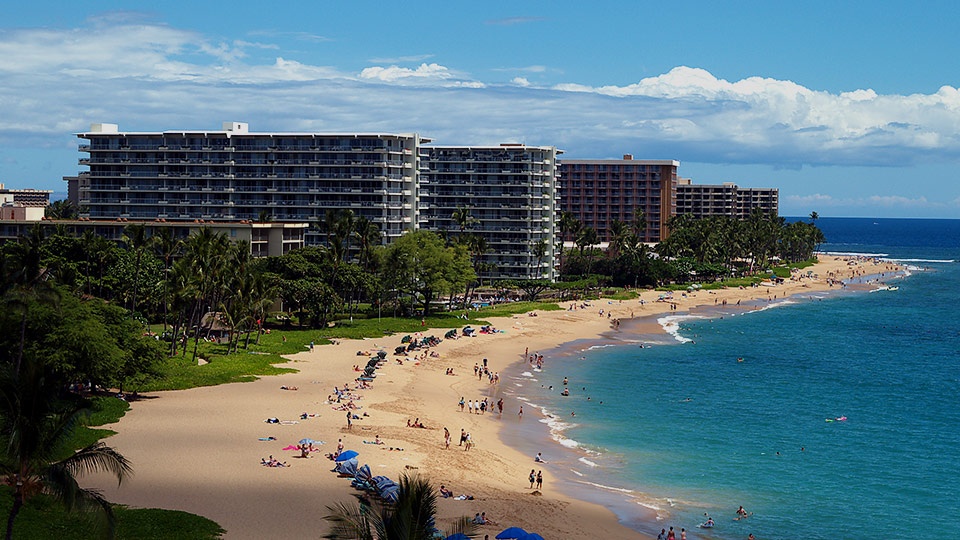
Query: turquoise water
point(685, 429)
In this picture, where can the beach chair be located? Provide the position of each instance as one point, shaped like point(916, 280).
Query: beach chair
point(347, 468)
point(390, 494)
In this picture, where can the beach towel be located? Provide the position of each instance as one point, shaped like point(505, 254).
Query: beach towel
point(267, 439)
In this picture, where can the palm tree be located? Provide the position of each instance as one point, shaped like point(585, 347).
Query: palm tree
point(639, 223)
point(26, 281)
point(540, 251)
point(62, 209)
point(568, 225)
point(411, 517)
point(368, 238)
point(586, 237)
point(462, 219)
point(135, 238)
point(166, 247)
point(34, 425)
point(619, 232)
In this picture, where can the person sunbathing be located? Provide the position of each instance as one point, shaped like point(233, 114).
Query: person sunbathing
point(446, 493)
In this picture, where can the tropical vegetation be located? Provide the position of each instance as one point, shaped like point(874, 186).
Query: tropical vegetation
point(411, 517)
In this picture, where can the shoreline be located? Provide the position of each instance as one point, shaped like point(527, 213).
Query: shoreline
point(198, 450)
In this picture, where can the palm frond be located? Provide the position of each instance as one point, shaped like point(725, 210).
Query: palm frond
point(98, 457)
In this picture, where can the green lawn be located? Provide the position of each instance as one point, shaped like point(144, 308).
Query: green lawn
point(265, 357)
point(42, 518)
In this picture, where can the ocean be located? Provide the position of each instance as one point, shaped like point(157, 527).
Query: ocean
point(841, 420)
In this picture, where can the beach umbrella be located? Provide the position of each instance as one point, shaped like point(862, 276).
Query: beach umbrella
point(531, 536)
point(458, 536)
point(347, 454)
point(512, 532)
point(307, 441)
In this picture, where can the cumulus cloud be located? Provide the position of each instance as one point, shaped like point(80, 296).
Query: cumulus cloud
point(396, 73)
point(152, 76)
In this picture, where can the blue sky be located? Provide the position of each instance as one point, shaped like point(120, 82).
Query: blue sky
point(849, 108)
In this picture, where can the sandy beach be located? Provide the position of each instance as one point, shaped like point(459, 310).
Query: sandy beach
point(200, 450)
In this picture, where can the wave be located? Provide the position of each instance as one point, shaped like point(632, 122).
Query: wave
point(557, 427)
point(587, 462)
point(608, 488)
point(671, 325)
point(597, 347)
point(898, 259)
point(855, 254)
point(772, 305)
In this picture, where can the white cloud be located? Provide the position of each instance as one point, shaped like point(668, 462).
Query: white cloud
point(887, 201)
point(152, 76)
point(526, 69)
point(396, 73)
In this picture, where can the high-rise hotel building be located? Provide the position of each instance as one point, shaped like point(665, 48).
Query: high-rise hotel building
point(511, 191)
point(598, 192)
point(233, 174)
point(726, 199)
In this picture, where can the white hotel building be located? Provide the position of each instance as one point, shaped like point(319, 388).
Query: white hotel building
point(234, 175)
point(511, 191)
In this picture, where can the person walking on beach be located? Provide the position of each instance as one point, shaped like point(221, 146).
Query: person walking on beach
point(463, 436)
point(539, 479)
point(461, 403)
point(533, 477)
point(349, 420)
point(520, 414)
point(446, 437)
point(671, 535)
point(663, 532)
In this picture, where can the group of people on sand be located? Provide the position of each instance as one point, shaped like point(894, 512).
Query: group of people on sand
point(482, 519)
point(416, 423)
point(536, 478)
point(273, 462)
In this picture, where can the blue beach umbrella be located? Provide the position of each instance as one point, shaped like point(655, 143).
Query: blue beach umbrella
point(347, 454)
point(512, 533)
point(458, 536)
point(531, 536)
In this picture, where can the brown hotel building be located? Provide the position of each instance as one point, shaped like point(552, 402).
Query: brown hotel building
point(599, 191)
